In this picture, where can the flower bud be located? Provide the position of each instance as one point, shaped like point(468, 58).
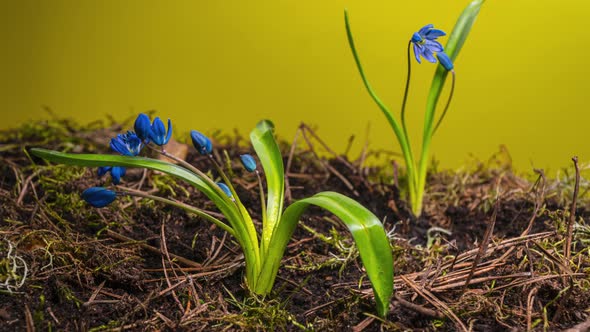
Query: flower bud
point(249, 162)
point(99, 196)
point(225, 189)
point(445, 61)
point(201, 142)
point(158, 132)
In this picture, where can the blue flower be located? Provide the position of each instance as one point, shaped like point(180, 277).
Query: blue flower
point(445, 61)
point(201, 142)
point(249, 162)
point(142, 127)
point(99, 196)
point(425, 44)
point(116, 172)
point(225, 189)
point(158, 132)
point(128, 144)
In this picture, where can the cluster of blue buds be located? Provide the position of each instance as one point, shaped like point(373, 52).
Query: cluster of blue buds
point(131, 144)
point(425, 45)
point(128, 144)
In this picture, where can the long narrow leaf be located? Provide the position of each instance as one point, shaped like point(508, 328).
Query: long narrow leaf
point(208, 188)
point(267, 149)
point(367, 232)
point(455, 43)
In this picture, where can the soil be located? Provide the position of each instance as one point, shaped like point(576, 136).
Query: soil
point(67, 266)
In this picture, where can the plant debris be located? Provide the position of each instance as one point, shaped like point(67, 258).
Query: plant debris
point(488, 253)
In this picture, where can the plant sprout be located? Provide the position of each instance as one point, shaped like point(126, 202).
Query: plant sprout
point(425, 46)
point(263, 249)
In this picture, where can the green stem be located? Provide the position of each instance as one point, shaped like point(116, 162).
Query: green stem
point(442, 116)
point(186, 207)
point(406, 91)
point(399, 132)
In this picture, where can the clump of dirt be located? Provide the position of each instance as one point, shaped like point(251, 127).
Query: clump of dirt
point(487, 254)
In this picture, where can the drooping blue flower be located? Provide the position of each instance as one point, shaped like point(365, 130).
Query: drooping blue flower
point(201, 142)
point(99, 196)
point(142, 126)
point(225, 189)
point(425, 44)
point(445, 61)
point(116, 172)
point(249, 162)
point(128, 144)
point(158, 132)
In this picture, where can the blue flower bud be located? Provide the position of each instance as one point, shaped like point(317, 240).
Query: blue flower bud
point(201, 142)
point(249, 162)
point(445, 61)
point(99, 196)
point(158, 132)
point(142, 127)
point(225, 189)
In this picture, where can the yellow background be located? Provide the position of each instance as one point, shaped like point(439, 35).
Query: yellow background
point(523, 74)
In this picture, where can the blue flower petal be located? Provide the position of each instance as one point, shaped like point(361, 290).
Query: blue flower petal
point(103, 170)
point(425, 29)
point(427, 54)
point(416, 38)
point(169, 133)
point(417, 52)
point(116, 173)
point(433, 45)
point(142, 126)
point(434, 33)
point(128, 144)
point(158, 131)
point(99, 196)
point(119, 146)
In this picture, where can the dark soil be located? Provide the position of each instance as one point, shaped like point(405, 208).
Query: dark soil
point(67, 266)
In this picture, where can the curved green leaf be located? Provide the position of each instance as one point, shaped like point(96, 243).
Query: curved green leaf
point(367, 232)
point(206, 186)
point(267, 149)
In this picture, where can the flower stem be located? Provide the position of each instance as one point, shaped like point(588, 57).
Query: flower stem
point(406, 91)
point(186, 207)
point(447, 105)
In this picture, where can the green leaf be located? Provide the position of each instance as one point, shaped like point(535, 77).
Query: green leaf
point(367, 232)
point(454, 44)
point(267, 149)
point(206, 186)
